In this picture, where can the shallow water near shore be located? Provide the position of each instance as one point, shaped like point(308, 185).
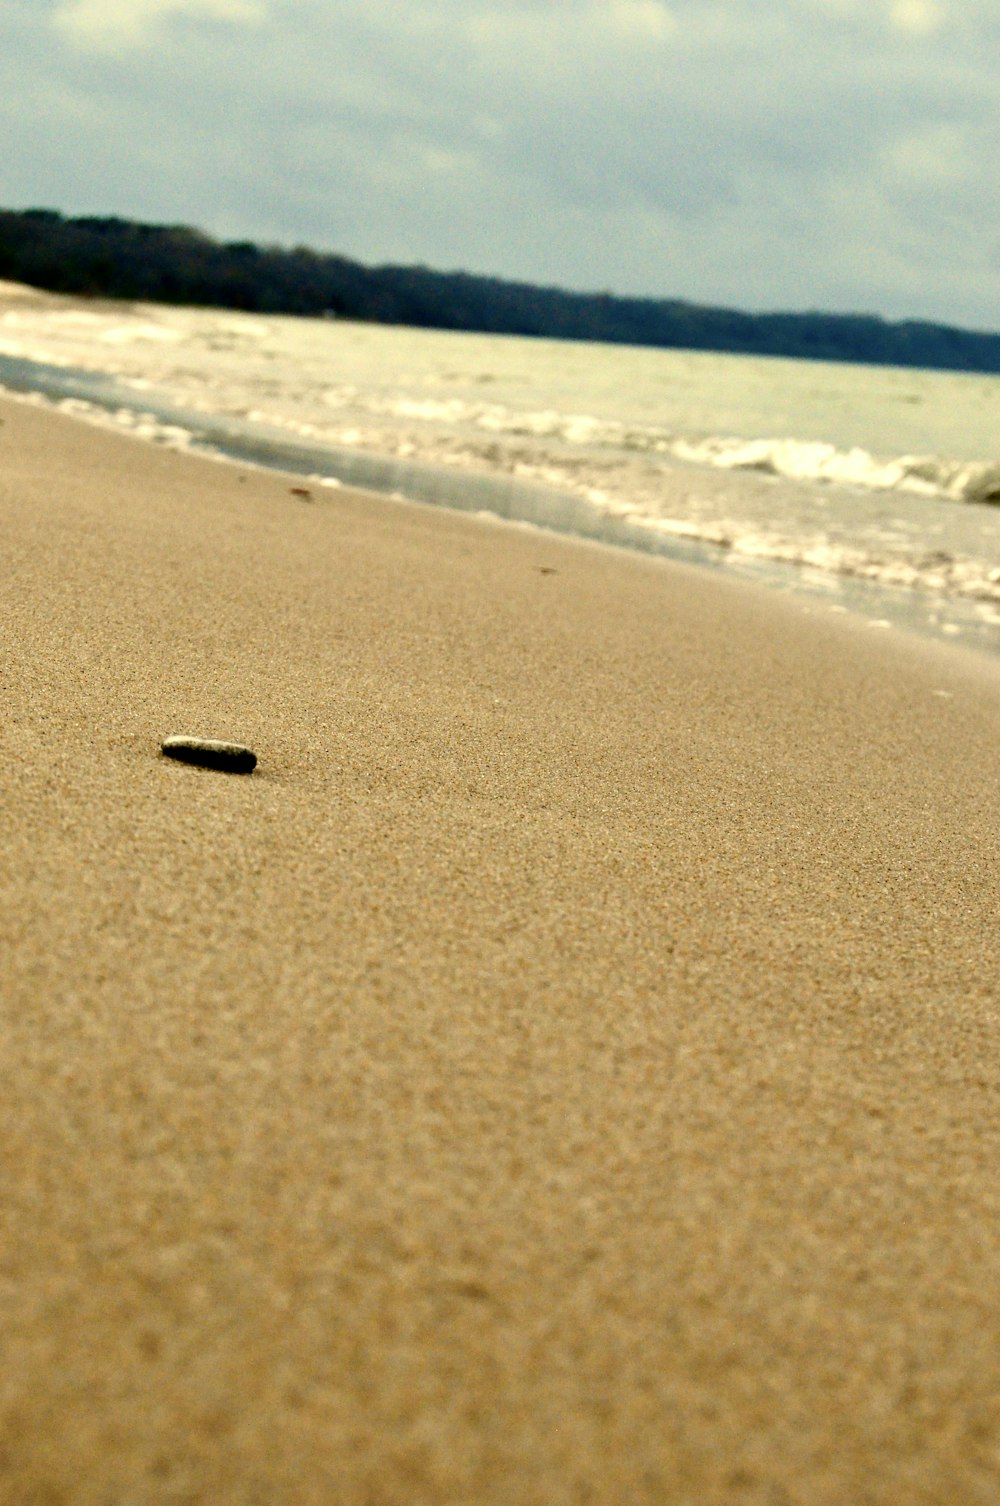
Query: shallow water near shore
point(867, 489)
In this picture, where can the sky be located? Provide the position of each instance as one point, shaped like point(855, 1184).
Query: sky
point(760, 154)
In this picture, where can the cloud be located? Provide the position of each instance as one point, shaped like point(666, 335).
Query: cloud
point(933, 157)
point(644, 19)
point(113, 25)
point(915, 18)
point(918, 17)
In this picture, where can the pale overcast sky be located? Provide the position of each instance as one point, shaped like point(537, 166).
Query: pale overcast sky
point(793, 154)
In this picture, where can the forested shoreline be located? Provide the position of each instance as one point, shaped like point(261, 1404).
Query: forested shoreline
point(116, 258)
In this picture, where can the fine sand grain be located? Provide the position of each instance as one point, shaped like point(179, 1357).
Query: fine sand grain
point(565, 1071)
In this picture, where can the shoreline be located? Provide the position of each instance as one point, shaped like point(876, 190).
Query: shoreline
point(564, 1070)
point(942, 616)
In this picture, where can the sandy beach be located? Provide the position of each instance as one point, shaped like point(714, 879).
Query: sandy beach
point(565, 1071)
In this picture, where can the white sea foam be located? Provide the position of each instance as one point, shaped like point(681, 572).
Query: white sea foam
point(134, 334)
point(141, 425)
point(803, 460)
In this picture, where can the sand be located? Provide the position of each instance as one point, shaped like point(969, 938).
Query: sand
point(564, 1072)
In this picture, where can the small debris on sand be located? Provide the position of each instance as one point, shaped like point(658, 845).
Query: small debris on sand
point(232, 758)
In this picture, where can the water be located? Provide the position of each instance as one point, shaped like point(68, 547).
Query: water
point(873, 489)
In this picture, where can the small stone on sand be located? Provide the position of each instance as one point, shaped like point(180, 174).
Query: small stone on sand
point(232, 758)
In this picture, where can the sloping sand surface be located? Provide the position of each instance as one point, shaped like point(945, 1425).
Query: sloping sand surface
point(566, 1071)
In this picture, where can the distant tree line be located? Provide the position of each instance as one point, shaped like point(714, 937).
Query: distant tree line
point(116, 258)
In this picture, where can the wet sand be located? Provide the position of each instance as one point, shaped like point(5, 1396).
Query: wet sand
point(565, 1071)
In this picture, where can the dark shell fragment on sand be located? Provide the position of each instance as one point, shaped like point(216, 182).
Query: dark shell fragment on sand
point(232, 758)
